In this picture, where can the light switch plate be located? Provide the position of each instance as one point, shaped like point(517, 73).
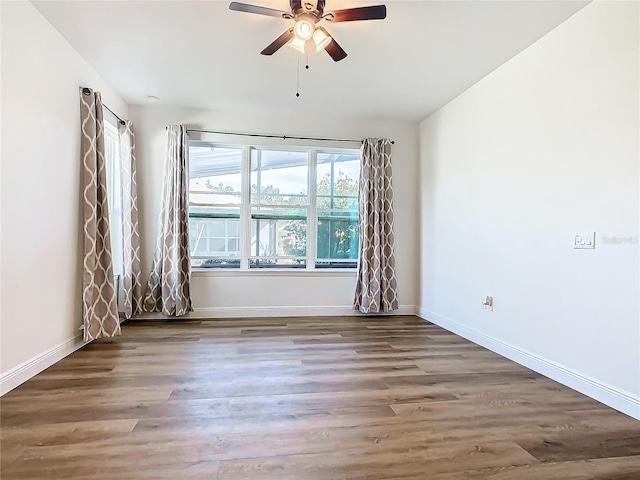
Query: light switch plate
point(584, 240)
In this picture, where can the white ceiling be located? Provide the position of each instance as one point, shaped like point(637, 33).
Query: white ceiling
point(202, 55)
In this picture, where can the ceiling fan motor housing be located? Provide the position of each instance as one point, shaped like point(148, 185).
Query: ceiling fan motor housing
point(309, 6)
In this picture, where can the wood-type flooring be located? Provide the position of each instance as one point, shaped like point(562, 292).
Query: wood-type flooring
point(375, 398)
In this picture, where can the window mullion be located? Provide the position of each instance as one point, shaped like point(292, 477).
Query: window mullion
point(312, 217)
point(245, 209)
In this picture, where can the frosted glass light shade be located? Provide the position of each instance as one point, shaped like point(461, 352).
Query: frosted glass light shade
point(297, 44)
point(321, 40)
point(303, 29)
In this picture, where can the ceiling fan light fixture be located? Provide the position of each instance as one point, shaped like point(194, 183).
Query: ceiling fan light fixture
point(297, 44)
point(303, 29)
point(321, 39)
point(306, 14)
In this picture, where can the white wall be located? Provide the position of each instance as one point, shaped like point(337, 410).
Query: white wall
point(542, 148)
point(41, 212)
point(270, 293)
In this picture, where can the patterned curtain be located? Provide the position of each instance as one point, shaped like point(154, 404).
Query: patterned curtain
point(376, 289)
point(131, 283)
point(168, 290)
point(99, 308)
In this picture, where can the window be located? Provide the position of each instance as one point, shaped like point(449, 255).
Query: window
point(215, 205)
point(114, 199)
point(337, 208)
point(253, 207)
point(279, 205)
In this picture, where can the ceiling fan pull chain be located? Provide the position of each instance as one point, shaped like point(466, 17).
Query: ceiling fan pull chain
point(298, 76)
point(307, 65)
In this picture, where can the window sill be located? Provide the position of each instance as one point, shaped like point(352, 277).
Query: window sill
point(272, 272)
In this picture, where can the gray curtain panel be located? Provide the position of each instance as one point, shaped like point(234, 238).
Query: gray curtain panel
point(131, 282)
point(99, 308)
point(168, 289)
point(376, 289)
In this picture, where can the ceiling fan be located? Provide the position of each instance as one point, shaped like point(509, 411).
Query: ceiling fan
point(307, 14)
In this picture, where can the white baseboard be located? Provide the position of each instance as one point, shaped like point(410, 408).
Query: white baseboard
point(620, 400)
point(23, 372)
point(288, 311)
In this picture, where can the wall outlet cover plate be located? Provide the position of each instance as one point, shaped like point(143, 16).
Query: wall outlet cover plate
point(584, 240)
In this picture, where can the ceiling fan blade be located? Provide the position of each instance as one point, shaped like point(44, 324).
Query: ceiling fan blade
point(245, 7)
point(374, 12)
point(274, 46)
point(335, 51)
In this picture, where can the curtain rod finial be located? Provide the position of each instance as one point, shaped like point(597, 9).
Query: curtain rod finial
point(86, 91)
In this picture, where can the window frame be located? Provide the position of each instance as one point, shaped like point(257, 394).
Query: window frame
point(245, 217)
point(113, 171)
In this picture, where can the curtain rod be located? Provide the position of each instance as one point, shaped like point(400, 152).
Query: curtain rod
point(284, 137)
point(86, 91)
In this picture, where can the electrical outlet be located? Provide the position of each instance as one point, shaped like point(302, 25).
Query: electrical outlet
point(488, 303)
point(584, 240)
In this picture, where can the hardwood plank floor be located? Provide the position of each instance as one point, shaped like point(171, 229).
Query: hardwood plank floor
point(376, 398)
